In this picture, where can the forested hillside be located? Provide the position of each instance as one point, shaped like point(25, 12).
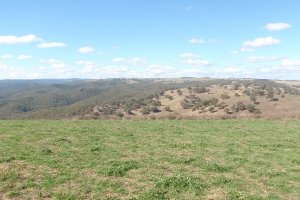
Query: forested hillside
point(66, 98)
point(59, 99)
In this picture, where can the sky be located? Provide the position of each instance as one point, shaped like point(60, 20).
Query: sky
point(150, 39)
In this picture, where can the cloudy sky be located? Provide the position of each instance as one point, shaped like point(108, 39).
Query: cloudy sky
point(159, 38)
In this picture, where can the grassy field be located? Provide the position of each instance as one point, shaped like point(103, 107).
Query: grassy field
point(150, 159)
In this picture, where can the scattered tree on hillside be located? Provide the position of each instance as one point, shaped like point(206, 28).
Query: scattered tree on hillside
point(167, 108)
point(200, 89)
point(270, 94)
point(237, 85)
point(253, 97)
point(179, 92)
point(169, 97)
point(211, 109)
point(224, 96)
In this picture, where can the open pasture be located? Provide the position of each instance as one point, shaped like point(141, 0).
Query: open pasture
point(150, 159)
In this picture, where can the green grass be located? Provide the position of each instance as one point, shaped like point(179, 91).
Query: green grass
point(150, 159)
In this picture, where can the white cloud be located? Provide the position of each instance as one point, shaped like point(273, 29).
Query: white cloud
point(234, 52)
point(160, 71)
point(3, 67)
point(42, 68)
point(23, 39)
point(100, 52)
point(86, 50)
point(61, 68)
point(115, 48)
point(262, 42)
point(59, 65)
point(277, 26)
point(7, 56)
point(232, 70)
point(22, 57)
point(85, 62)
point(137, 62)
point(196, 41)
point(189, 55)
point(133, 61)
point(52, 44)
point(52, 60)
point(261, 58)
point(288, 62)
point(247, 50)
point(196, 62)
point(90, 68)
point(118, 60)
point(189, 8)
point(114, 69)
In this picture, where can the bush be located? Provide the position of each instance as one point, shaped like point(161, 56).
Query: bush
point(250, 108)
point(167, 108)
point(247, 92)
point(211, 109)
point(179, 92)
point(241, 105)
point(119, 114)
point(153, 109)
point(253, 97)
point(145, 111)
point(169, 97)
point(200, 90)
point(257, 111)
point(226, 110)
point(224, 96)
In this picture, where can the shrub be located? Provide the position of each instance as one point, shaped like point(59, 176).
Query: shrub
point(153, 109)
point(253, 97)
point(156, 103)
point(247, 92)
point(200, 90)
point(145, 111)
point(241, 105)
point(226, 110)
point(179, 92)
point(270, 94)
point(236, 86)
point(221, 105)
point(224, 96)
point(250, 108)
point(119, 114)
point(211, 109)
point(167, 108)
point(257, 111)
point(169, 97)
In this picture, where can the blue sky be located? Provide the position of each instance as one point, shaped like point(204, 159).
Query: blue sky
point(149, 39)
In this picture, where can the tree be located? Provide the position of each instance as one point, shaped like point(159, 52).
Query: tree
point(167, 108)
point(224, 96)
point(270, 94)
point(241, 106)
point(145, 111)
point(253, 97)
point(179, 92)
point(250, 108)
point(227, 110)
point(236, 86)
